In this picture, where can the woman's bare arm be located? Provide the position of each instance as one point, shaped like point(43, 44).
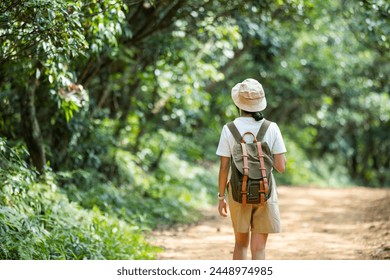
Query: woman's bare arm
point(280, 162)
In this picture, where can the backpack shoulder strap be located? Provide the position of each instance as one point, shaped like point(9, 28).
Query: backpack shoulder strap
point(233, 129)
point(263, 130)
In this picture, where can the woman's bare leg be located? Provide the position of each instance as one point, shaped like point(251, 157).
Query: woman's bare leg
point(241, 246)
point(258, 242)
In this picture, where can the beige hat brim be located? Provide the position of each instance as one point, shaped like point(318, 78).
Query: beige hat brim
point(249, 105)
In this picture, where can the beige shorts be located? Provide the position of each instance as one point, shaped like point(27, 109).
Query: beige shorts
point(256, 218)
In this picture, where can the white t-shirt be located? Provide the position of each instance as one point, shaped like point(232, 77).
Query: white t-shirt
point(273, 136)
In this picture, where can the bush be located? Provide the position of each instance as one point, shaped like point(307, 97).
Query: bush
point(37, 221)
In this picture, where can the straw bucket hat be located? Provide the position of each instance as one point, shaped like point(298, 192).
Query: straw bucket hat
point(249, 96)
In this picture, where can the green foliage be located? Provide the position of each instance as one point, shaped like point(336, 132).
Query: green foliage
point(89, 146)
point(173, 193)
point(48, 29)
point(370, 24)
point(301, 170)
point(37, 221)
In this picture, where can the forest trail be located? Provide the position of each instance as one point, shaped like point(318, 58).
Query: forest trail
point(317, 224)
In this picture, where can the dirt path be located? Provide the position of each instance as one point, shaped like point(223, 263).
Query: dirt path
point(317, 223)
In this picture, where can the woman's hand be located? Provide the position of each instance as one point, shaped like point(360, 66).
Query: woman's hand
point(222, 181)
point(222, 208)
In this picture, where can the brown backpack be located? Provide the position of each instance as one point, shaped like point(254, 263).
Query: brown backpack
point(251, 167)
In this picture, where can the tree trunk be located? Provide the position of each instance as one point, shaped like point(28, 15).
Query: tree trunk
point(31, 130)
point(127, 100)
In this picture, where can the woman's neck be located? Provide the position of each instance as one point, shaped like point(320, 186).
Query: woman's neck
point(245, 115)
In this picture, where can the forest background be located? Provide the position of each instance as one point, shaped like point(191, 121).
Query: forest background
point(111, 110)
